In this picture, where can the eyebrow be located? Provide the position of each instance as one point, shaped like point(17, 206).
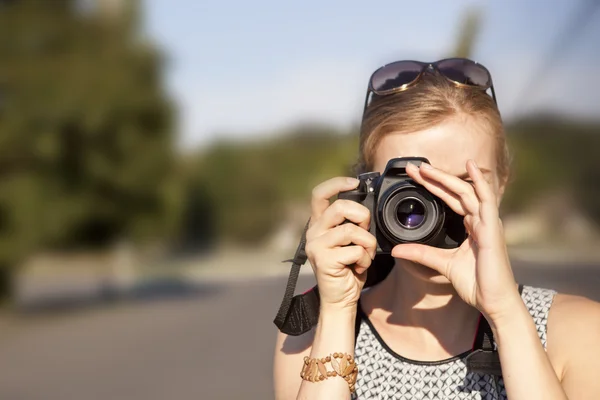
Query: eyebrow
point(465, 175)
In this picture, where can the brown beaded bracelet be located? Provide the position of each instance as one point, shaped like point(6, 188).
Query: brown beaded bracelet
point(314, 369)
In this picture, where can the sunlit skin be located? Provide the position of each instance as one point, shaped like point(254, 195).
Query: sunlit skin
point(428, 307)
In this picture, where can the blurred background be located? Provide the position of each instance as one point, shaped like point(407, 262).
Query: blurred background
point(157, 158)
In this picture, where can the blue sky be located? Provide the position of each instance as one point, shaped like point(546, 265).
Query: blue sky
point(240, 68)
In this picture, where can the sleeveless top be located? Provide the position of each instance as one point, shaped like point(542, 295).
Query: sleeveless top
point(383, 374)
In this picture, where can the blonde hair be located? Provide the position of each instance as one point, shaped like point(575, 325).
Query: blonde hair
point(428, 103)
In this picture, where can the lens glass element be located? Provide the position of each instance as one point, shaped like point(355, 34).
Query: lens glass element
point(410, 213)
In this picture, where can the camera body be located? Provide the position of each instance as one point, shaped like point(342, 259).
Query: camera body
point(403, 211)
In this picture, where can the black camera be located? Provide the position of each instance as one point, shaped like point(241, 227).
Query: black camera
point(403, 211)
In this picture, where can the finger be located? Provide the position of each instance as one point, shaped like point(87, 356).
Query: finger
point(345, 234)
point(326, 190)
point(354, 256)
point(455, 185)
point(489, 207)
point(436, 189)
point(361, 266)
point(428, 256)
point(469, 222)
point(362, 277)
point(341, 211)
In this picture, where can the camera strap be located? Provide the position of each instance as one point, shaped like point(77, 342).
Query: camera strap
point(298, 314)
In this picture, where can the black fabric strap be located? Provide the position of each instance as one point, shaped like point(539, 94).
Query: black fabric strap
point(303, 313)
point(484, 338)
point(484, 359)
point(282, 319)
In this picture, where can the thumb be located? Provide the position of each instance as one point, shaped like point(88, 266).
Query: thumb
point(432, 257)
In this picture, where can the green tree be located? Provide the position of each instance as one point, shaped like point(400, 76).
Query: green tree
point(554, 153)
point(247, 186)
point(86, 145)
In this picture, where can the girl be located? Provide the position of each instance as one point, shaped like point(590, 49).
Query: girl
point(417, 326)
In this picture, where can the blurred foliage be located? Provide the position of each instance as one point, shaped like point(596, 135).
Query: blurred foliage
point(250, 184)
point(86, 142)
point(555, 153)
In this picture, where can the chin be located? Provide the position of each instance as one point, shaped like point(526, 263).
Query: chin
point(422, 272)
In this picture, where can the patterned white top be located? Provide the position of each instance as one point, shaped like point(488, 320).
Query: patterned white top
point(383, 374)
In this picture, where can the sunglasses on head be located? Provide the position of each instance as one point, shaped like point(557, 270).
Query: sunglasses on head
point(401, 75)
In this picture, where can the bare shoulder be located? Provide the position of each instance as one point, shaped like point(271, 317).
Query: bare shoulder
point(289, 355)
point(572, 315)
point(573, 331)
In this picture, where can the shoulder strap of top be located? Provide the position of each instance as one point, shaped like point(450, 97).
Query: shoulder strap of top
point(358, 321)
point(538, 302)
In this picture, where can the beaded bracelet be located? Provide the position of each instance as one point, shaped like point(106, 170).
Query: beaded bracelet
point(314, 369)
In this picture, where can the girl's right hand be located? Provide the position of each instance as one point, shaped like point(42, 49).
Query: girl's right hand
point(340, 253)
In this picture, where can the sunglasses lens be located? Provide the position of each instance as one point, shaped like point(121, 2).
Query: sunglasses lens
point(393, 76)
point(465, 71)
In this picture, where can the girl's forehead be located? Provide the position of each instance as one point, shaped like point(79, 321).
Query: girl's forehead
point(447, 146)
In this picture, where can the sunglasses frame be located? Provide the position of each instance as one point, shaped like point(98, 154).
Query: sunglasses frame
point(424, 67)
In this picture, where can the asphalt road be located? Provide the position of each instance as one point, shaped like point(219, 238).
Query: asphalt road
point(213, 341)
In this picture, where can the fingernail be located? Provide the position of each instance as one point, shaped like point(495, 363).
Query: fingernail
point(474, 163)
point(352, 181)
point(410, 165)
point(426, 166)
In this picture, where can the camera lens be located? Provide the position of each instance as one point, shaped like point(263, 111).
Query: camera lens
point(407, 212)
point(410, 213)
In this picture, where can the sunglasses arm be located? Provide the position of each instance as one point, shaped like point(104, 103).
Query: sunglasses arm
point(366, 101)
point(493, 93)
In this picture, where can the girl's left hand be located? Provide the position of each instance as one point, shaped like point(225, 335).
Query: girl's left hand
point(479, 269)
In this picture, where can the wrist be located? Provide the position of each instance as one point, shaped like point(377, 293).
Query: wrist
point(513, 315)
point(337, 315)
point(335, 331)
point(338, 310)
